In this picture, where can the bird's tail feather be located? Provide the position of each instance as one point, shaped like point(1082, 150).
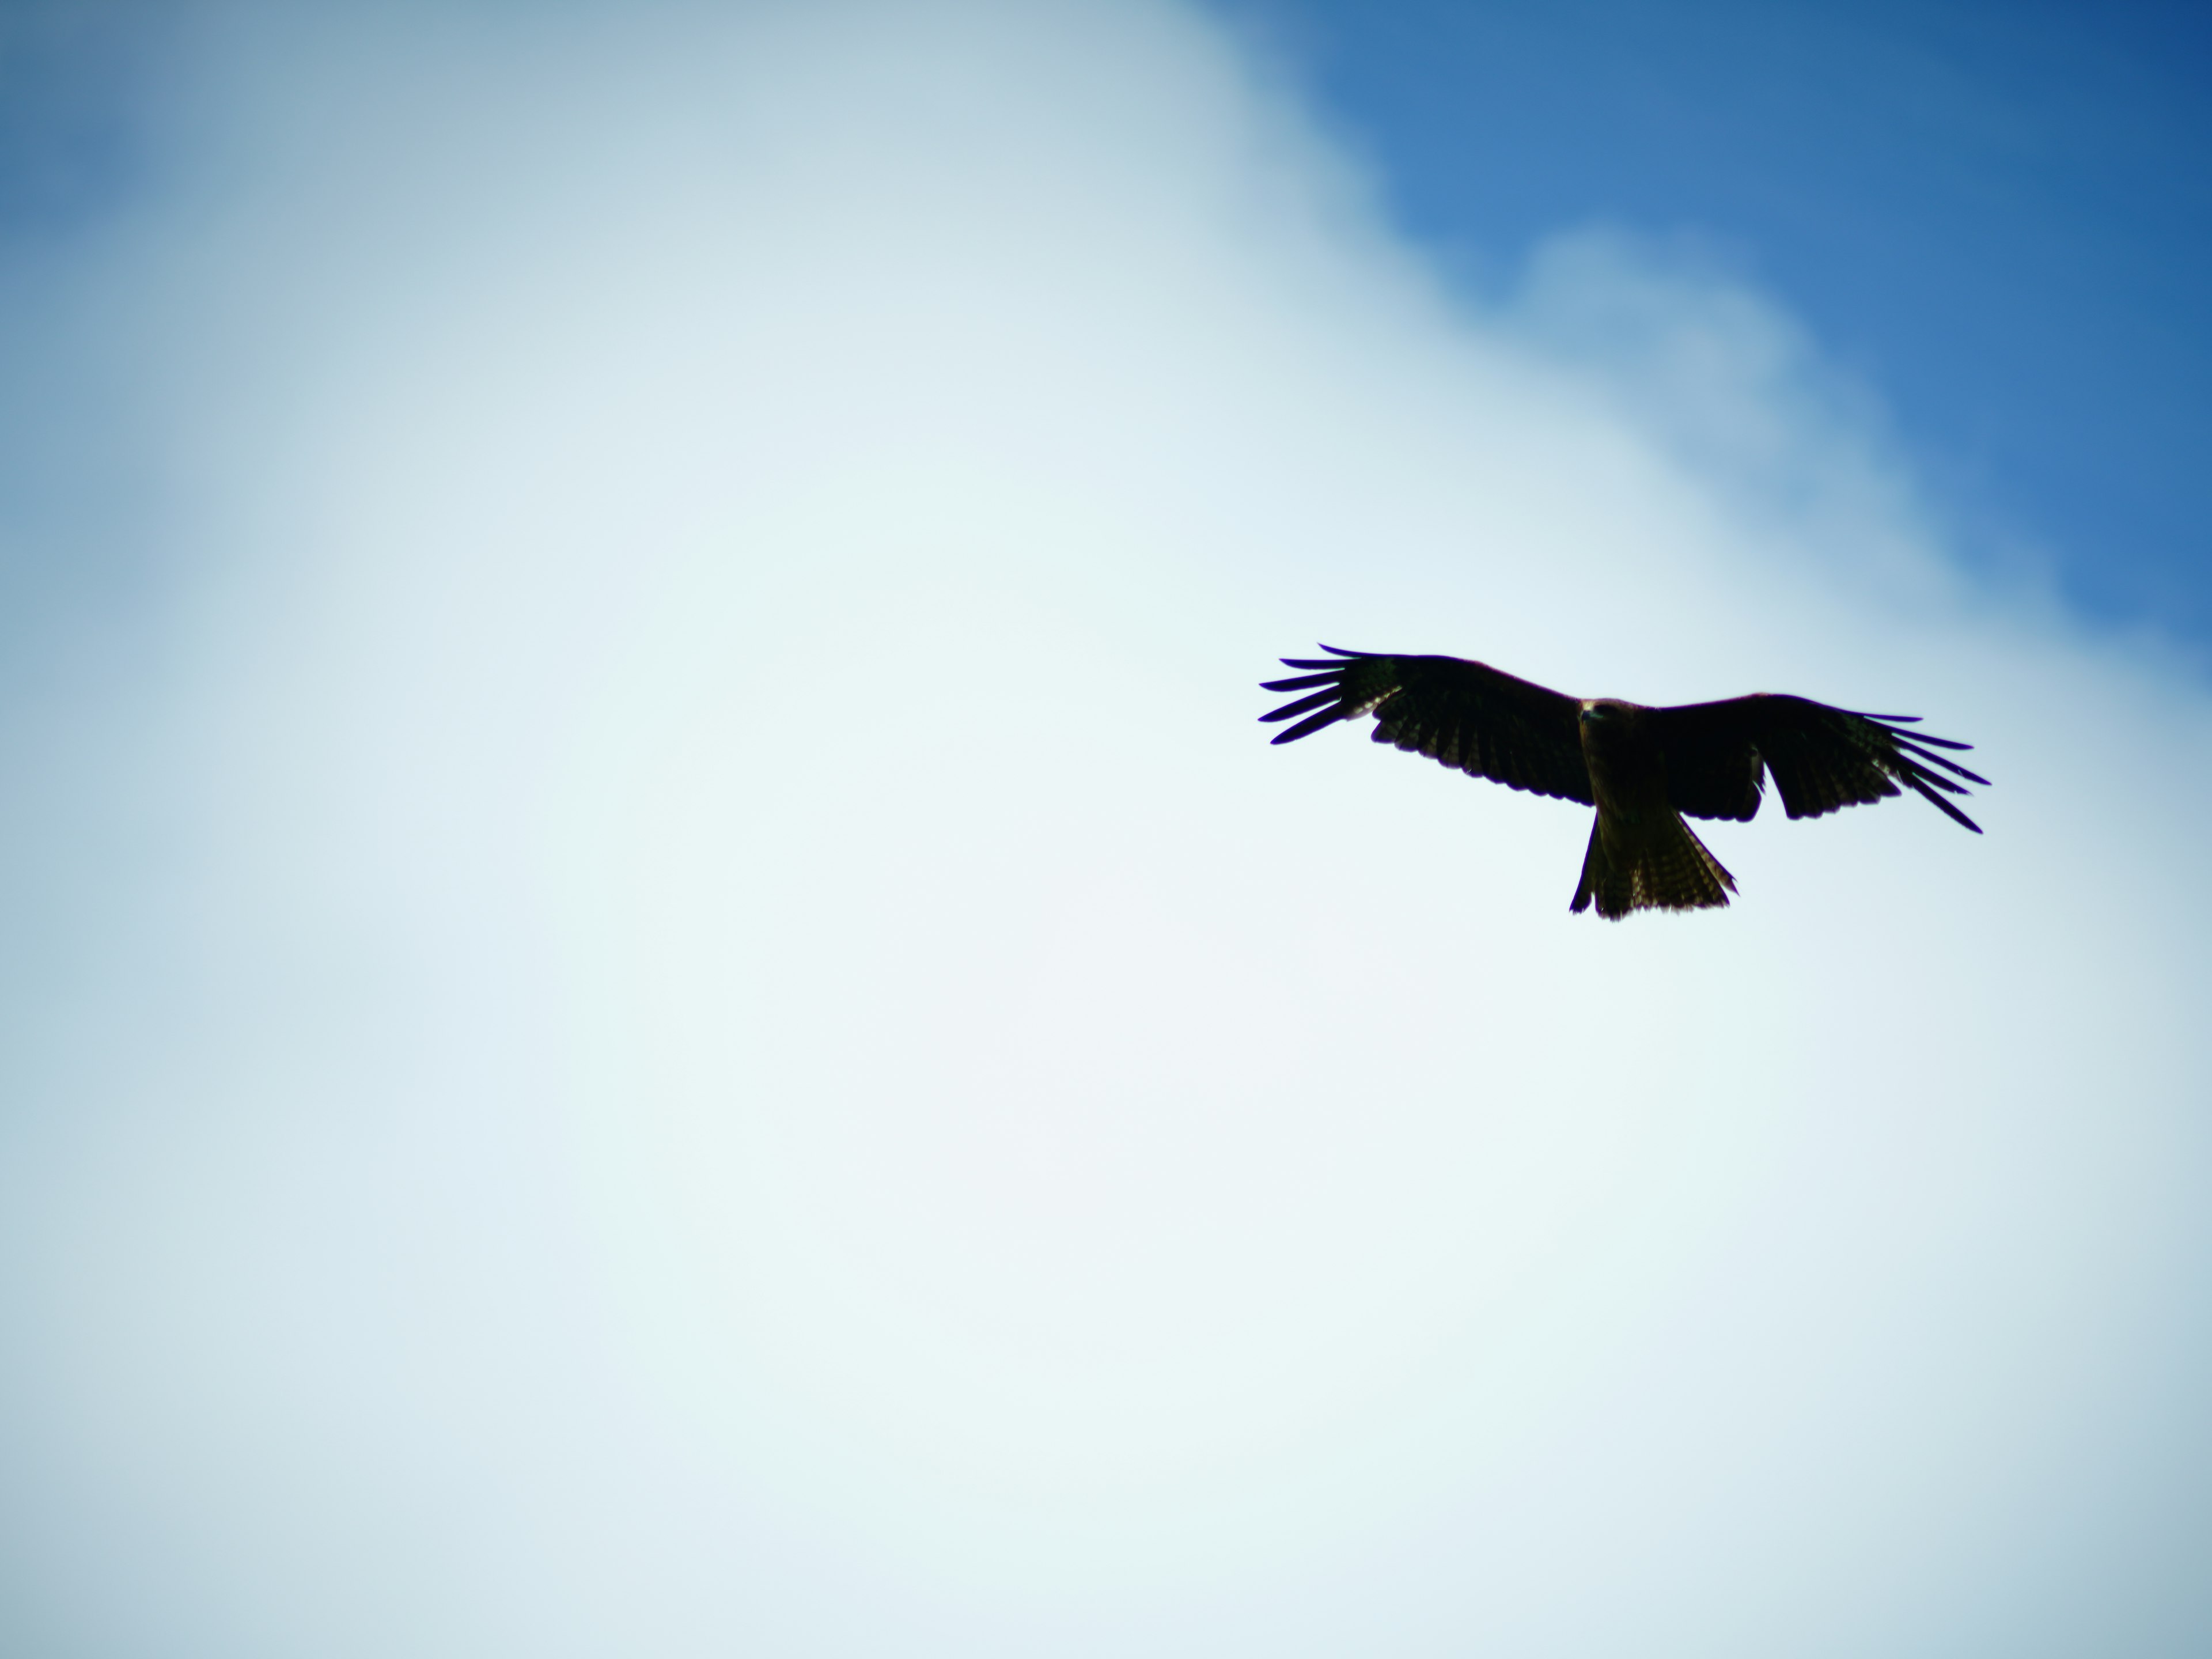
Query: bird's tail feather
point(1669, 869)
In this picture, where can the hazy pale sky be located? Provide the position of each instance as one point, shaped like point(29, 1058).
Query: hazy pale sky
point(660, 996)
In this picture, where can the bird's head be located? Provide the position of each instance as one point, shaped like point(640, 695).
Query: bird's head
point(1608, 723)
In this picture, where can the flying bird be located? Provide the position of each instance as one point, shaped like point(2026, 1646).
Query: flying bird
point(1643, 768)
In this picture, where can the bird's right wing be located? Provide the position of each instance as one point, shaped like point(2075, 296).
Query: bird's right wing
point(1821, 758)
point(1466, 715)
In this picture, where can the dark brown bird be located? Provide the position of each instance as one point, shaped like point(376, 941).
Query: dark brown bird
point(1643, 768)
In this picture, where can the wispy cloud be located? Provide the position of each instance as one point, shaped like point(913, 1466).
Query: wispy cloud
point(689, 1015)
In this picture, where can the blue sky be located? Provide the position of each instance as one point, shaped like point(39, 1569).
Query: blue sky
point(1996, 215)
point(661, 995)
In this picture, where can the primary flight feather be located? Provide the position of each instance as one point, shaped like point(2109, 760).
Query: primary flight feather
point(1643, 768)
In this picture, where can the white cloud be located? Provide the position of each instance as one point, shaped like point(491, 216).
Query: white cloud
point(722, 1034)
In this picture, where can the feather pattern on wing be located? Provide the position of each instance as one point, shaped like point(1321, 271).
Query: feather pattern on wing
point(1821, 758)
point(1465, 714)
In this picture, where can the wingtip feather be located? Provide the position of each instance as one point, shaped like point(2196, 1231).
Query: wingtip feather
point(1948, 809)
point(1304, 705)
point(1308, 726)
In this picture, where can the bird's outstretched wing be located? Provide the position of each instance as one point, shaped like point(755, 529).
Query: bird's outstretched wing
point(1822, 758)
point(1466, 715)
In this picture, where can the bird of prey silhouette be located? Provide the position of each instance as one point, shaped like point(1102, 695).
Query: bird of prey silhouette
point(1643, 768)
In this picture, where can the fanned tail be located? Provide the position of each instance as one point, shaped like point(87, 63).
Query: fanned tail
point(1668, 868)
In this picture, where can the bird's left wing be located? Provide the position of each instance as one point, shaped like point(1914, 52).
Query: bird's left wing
point(1466, 715)
point(1822, 758)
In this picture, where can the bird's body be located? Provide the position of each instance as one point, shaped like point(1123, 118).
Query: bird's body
point(1642, 855)
point(1643, 768)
